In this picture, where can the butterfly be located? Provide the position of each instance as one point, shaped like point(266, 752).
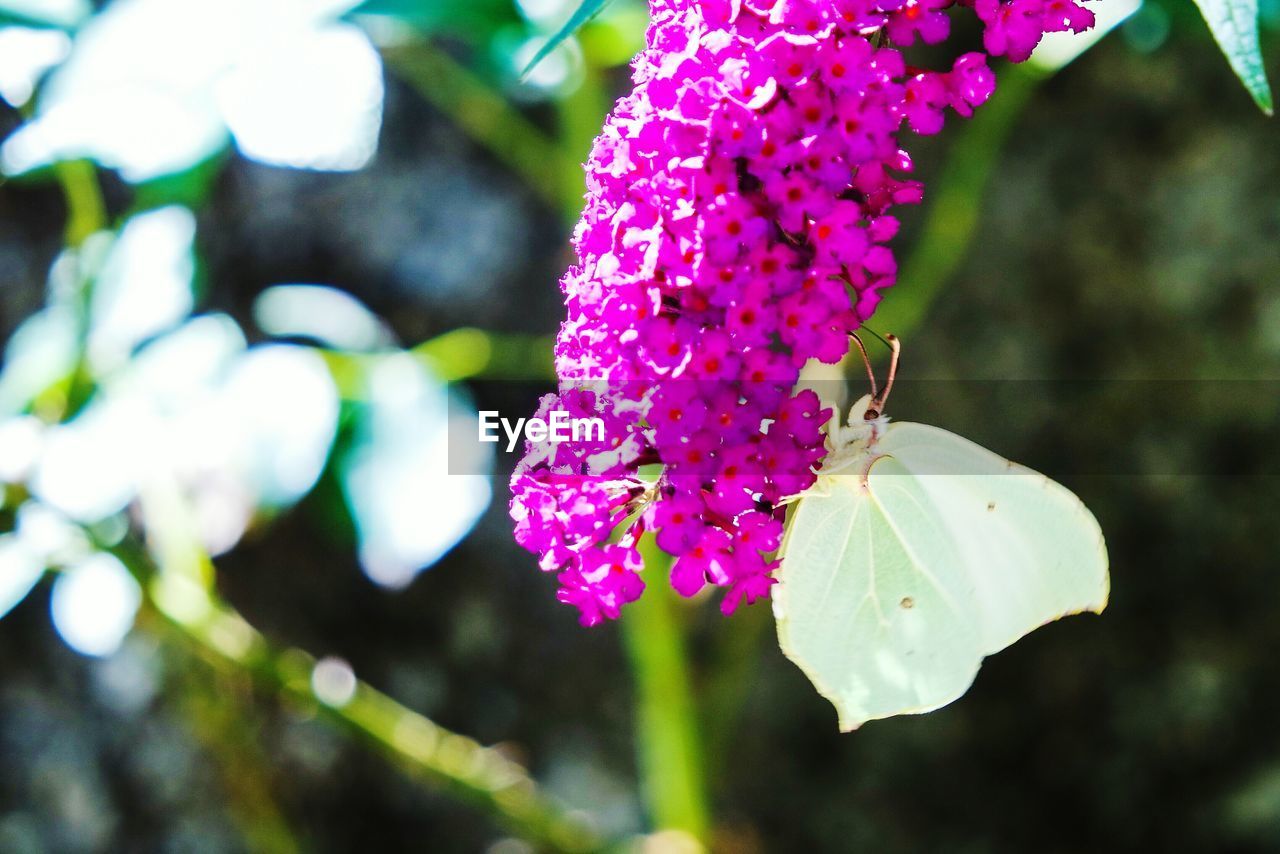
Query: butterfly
point(916, 554)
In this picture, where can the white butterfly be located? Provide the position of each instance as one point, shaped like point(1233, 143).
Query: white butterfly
point(917, 553)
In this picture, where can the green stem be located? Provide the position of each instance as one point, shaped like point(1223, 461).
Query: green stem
point(667, 724)
point(467, 352)
point(177, 584)
point(86, 215)
point(581, 114)
point(485, 115)
point(955, 207)
point(734, 659)
point(670, 752)
point(216, 706)
point(422, 749)
point(86, 211)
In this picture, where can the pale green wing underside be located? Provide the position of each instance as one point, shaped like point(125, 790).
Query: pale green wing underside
point(903, 571)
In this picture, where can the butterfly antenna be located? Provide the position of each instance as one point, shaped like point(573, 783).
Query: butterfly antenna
point(877, 335)
point(866, 361)
point(878, 400)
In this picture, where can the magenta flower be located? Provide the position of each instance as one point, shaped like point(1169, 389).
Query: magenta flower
point(737, 221)
point(1014, 27)
point(924, 18)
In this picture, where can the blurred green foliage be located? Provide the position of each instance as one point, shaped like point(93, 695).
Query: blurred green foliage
point(1119, 225)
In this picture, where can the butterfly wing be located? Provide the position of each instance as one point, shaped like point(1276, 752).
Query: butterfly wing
point(901, 574)
point(1031, 549)
point(860, 608)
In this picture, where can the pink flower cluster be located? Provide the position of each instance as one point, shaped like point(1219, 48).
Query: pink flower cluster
point(736, 226)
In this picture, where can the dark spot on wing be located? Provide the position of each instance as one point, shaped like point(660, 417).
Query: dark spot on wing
point(907, 602)
point(991, 505)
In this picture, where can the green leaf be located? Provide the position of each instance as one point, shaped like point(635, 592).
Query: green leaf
point(916, 554)
point(1234, 24)
point(588, 10)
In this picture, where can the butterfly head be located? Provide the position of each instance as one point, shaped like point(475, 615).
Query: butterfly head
point(867, 416)
point(848, 443)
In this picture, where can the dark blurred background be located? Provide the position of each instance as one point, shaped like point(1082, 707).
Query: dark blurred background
point(1128, 232)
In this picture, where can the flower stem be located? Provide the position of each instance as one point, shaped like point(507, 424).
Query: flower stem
point(581, 114)
point(667, 731)
point(86, 211)
point(955, 208)
point(735, 655)
point(216, 706)
point(422, 749)
point(177, 580)
point(86, 215)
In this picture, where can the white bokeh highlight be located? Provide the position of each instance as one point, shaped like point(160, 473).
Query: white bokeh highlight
point(153, 87)
point(53, 538)
point(280, 404)
point(236, 428)
point(145, 285)
point(333, 682)
point(40, 352)
point(20, 569)
point(323, 314)
point(25, 55)
point(313, 102)
point(21, 442)
point(87, 469)
point(1058, 50)
point(409, 511)
point(94, 603)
